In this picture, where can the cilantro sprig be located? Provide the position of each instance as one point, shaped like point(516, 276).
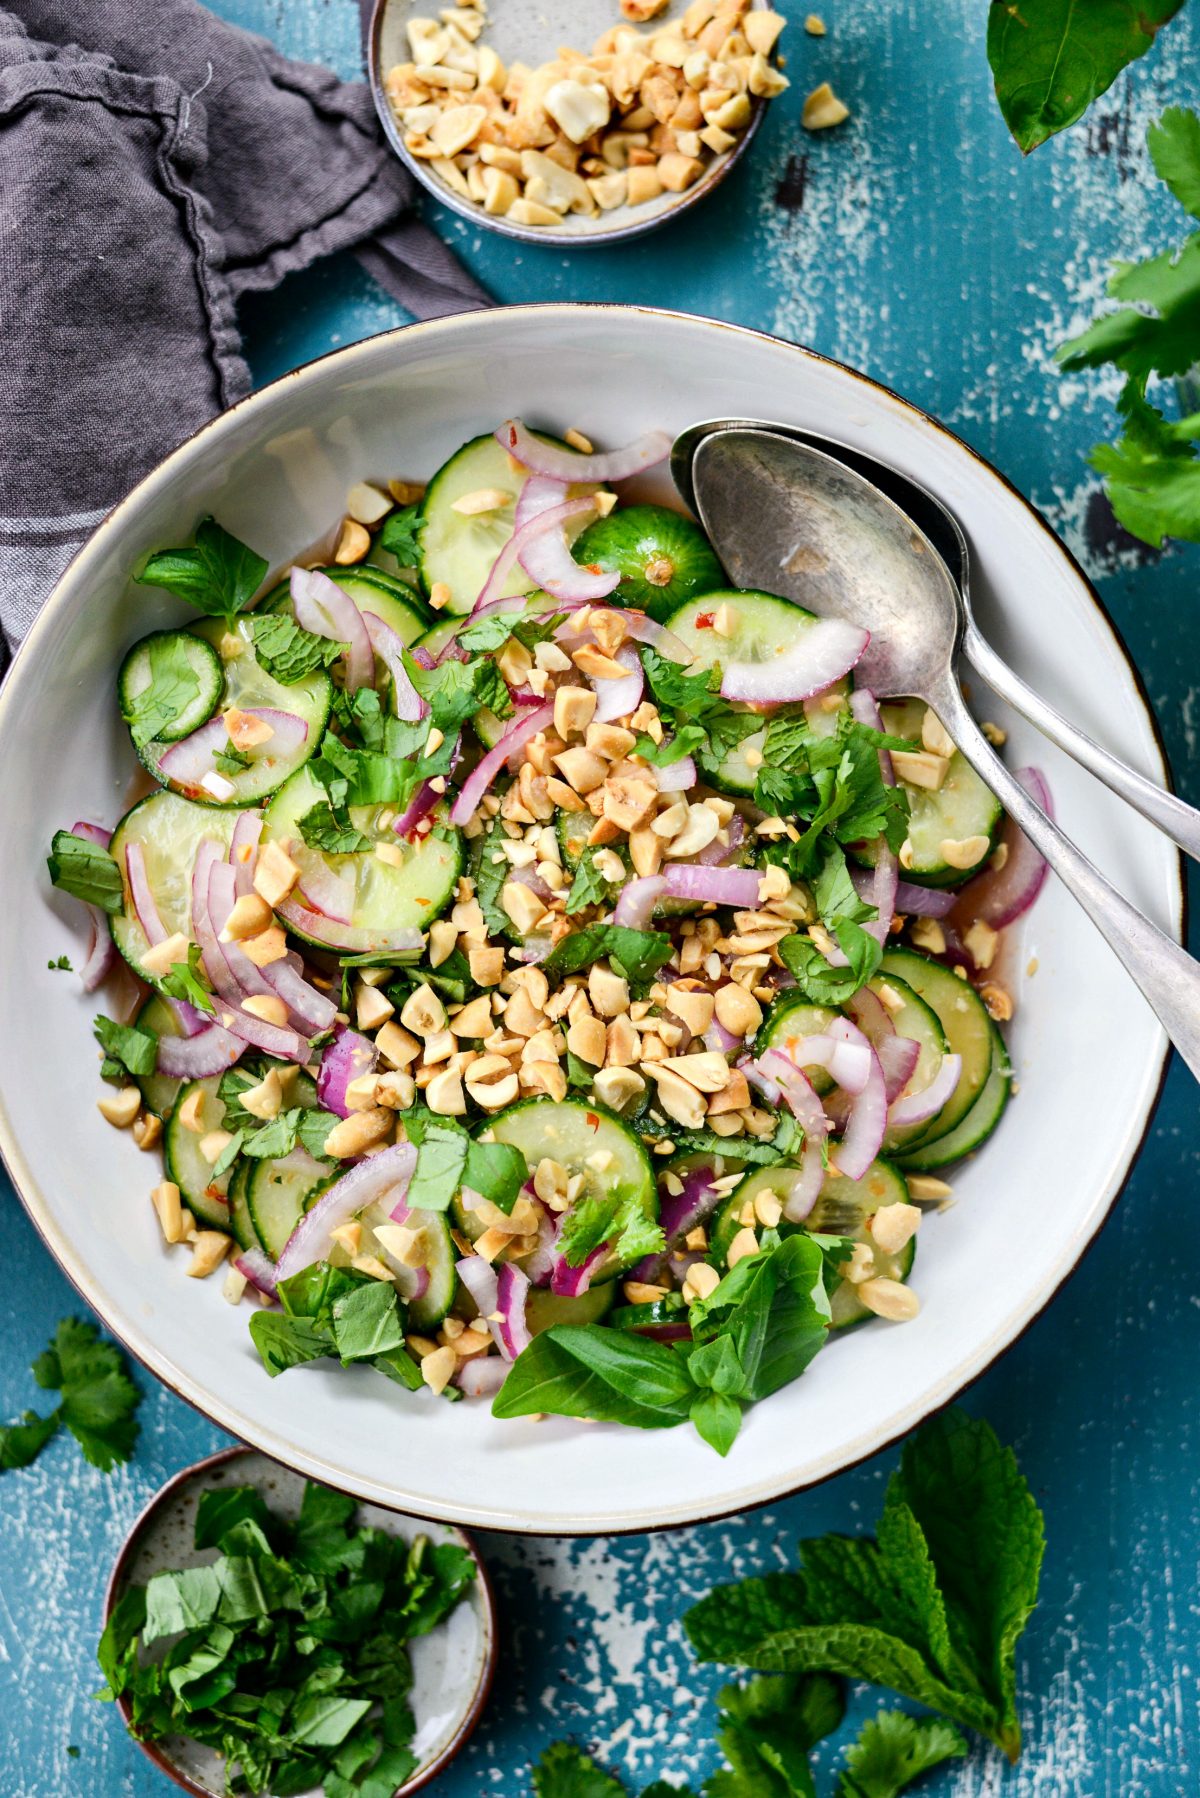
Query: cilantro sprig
point(98, 1401)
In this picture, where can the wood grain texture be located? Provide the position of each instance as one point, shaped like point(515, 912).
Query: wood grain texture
point(915, 243)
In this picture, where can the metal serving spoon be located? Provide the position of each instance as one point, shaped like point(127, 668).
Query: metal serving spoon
point(1177, 819)
point(792, 520)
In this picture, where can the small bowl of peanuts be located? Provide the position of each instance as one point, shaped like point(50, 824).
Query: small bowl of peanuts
point(511, 122)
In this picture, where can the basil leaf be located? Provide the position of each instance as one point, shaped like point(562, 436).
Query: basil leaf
point(366, 1322)
point(718, 1419)
point(442, 1149)
point(86, 871)
point(775, 1312)
point(589, 886)
point(639, 953)
point(496, 1171)
point(132, 1047)
point(590, 1371)
point(220, 575)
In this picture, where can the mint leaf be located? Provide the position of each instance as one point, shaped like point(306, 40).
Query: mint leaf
point(638, 954)
point(220, 575)
point(731, 1621)
point(323, 831)
point(173, 686)
point(287, 651)
point(589, 887)
point(894, 1749)
point(455, 691)
point(86, 871)
point(1174, 144)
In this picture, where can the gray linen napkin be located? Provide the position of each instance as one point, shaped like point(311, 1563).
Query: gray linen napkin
point(155, 163)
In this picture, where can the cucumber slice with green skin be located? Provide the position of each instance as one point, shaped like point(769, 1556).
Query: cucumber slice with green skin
point(135, 676)
point(459, 551)
point(962, 807)
point(576, 1134)
point(240, 1221)
point(670, 1310)
point(435, 639)
point(975, 1128)
point(278, 1194)
point(388, 901)
point(205, 1197)
point(544, 1309)
point(248, 685)
point(159, 1091)
point(967, 1026)
point(787, 1022)
point(842, 1209)
point(663, 558)
point(399, 605)
point(427, 1311)
point(170, 830)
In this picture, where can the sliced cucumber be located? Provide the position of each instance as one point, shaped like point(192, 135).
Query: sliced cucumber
point(159, 1091)
point(136, 674)
point(968, 1028)
point(666, 1311)
point(427, 1311)
point(787, 1023)
point(458, 551)
point(588, 1141)
point(280, 1192)
point(205, 1197)
point(663, 558)
point(388, 900)
point(962, 807)
point(248, 685)
point(240, 1220)
point(170, 830)
point(435, 639)
point(400, 606)
point(976, 1126)
point(544, 1309)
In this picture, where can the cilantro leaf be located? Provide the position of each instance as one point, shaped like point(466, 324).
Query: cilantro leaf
point(173, 686)
point(98, 1400)
point(401, 535)
point(322, 830)
point(128, 1048)
point(187, 980)
point(455, 691)
point(892, 1750)
point(619, 1222)
point(565, 1771)
point(766, 1730)
point(61, 965)
point(219, 575)
point(23, 1442)
point(287, 651)
point(86, 871)
point(230, 759)
point(638, 954)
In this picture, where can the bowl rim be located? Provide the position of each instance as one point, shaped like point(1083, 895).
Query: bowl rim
point(487, 1673)
point(129, 1333)
point(711, 179)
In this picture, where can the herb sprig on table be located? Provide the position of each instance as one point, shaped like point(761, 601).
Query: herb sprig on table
point(97, 1404)
point(288, 1652)
point(931, 1608)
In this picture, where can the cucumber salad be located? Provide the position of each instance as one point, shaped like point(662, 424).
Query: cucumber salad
point(557, 981)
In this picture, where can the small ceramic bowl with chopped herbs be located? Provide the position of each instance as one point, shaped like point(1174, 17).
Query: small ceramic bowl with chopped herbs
point(281, 1607)
point(573, 121)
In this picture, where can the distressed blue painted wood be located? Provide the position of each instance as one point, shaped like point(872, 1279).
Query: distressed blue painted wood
point(915, 244)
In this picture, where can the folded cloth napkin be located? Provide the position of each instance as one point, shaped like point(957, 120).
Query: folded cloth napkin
point(155, 163)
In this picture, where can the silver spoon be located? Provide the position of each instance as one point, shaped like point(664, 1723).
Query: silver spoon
point(791, 520)
point(1173, 816)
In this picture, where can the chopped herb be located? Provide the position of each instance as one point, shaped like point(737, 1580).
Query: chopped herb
point(173, 686)
point(401, 535)
point(98, 1403)
point(892, 1750)
point(589, 887)
point(187, 980)
point(219, 575)
point(322, 830)
point(637, 954)
point(62, 965)
point(619, 1222)
point(86, 871)
point(230, 759)
point(288, 652)
point(128, 1048)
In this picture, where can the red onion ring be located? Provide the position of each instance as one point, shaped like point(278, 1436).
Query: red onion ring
point(482, 1376)
point(676, 777)
point(917, 1108)
point(515, 737)
point(368, 1180)
point(513, 551)
point(189, 760)
point(258, 1270)
point(310, 1011)
point(243, 849)
point(288, 1045)
point(212, 1051)
point(635, 908)
point(681, 1212)
point(480, 1281)
point(821, 655)
point(101, 955)
point(567, 465)
point(322, 607)
point(348, 1057)
point(352, 938)
point(512, 1292)
point(779, 1072)
point(153, 928)
point(390, 650)
point(572, 1282)
point(898, 1055)
point(322, 887)
point(722, 886)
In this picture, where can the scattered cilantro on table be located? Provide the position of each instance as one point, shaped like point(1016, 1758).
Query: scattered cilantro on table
point(1152, 472)
point(289, 1652)
point(98, 1401)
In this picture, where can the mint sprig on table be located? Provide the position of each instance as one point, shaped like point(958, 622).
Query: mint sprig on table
point(1152, 472)
point(97, 1405)
point(932, 1608)
point(287, 1653)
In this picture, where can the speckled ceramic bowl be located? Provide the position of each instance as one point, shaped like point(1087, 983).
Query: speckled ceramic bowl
point(531, 31)
point(1088, 1052)
point(452, 1666)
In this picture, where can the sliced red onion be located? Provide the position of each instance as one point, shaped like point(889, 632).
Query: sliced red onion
point(412, 1283)
point(925, 902)
point(867, 1117)
point(819, 656)
point(648, 630)
point(348, 1057)
point(717, 852)
point(722, 886)
point(572, 1282)
point(327, 610)
point(482, 1376)
point(545, 555)
point(515, 737)
point(310, 1010)
point(92, 833)
point(243, 849)
point(760, 1081)
point(898, 1055)
point(884, 884)
point(101, 955)
point(863, 706)
point(152, 925)
point(806, 1107)
point(189, 760)
point(211, 1051)
point(387, 1173)
point(567, 465)
point(258, 1270)
point(288, 1045)
point(542, 524)
point(512, 1292)
point(539, 494)
point(480, 1281)
point(999, 896)
point(390, 650)
point(618, 698)
point(539, 1265)
point(722, 1041)
point(917, 1108)
point(418, 807)
point(679, 1213)
point(353, 939)
point(676, 777)
point(635, 908)
point(191, 1022)
point(330, 893)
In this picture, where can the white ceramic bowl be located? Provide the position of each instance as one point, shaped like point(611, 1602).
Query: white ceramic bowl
point(1088, 1053)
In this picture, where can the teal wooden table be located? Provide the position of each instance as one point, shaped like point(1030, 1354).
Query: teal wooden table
point(915, 244)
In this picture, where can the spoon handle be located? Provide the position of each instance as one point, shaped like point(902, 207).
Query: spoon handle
point(1178, 820)
point(1166, 973)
